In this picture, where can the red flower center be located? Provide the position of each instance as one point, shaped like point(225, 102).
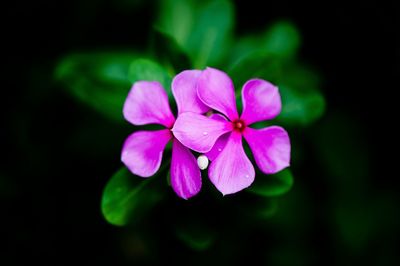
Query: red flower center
point(239, 125)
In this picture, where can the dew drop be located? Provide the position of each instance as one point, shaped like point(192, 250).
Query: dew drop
point(202, 162)
point(219, 149)
point(205, 133)
point(247, 176)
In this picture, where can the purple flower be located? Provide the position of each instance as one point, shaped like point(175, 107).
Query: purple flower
point(231, 170)
point(147, 103)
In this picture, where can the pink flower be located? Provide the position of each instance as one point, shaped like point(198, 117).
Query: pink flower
point(147, 103)
point(231, 170)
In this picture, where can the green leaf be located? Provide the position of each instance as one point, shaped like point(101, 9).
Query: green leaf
point(99, 80)
point(256, 64)
point(300, 108)
point(169, 52)
point(126, 198)
point(243, 47)
point(146, 69)
point(202, 28)
point(282, 39)
point(272, 185)
point(302, 102)
point(176, 18)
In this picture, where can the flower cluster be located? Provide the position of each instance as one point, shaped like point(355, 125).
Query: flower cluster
point(217, 136)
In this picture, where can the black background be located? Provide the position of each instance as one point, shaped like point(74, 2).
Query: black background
point(50, 209)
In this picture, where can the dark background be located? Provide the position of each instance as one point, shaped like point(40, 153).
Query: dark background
point(51, 188)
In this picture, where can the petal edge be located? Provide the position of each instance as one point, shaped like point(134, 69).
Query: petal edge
point(184, 89)
point(261, 101)
point(185, 174)
point(270, 147)
point(215, 89)
point(147, 103)
point(142, 151)
point(232, 170)
point(198, 132)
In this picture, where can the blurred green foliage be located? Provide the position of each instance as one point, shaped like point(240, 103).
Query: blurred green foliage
point(202, 28)
point(281, 40)
point(272, 185)
point(99, 80)
point(272, 56)
point(102, 80)
point(196, 34)
point(127, 198)
point(66, 198)
point(145, 69)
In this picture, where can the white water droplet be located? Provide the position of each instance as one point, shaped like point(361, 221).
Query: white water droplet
point(219, 149)
point(202, 162)
point(247, 176)
point(205, 133)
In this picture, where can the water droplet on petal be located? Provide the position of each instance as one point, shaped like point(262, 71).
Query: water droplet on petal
point(202, 162)
point(219, 149)
point(247, 176)
point(205, 133)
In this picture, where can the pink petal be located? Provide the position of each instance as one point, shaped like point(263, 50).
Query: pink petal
point(184, 89)
point(185, 174)
point(198, 132)
point(218, 147)
point(270, 147)
point(142, 151)
point(147, 103)
point(216, 90)
point(220, 143)
point(232, 171)
point(218, 117)
point(261, 101)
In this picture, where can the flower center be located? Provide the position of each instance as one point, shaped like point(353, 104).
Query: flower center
point(239, 125)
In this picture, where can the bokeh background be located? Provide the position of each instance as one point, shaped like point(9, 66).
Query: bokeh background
point(68, 65)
